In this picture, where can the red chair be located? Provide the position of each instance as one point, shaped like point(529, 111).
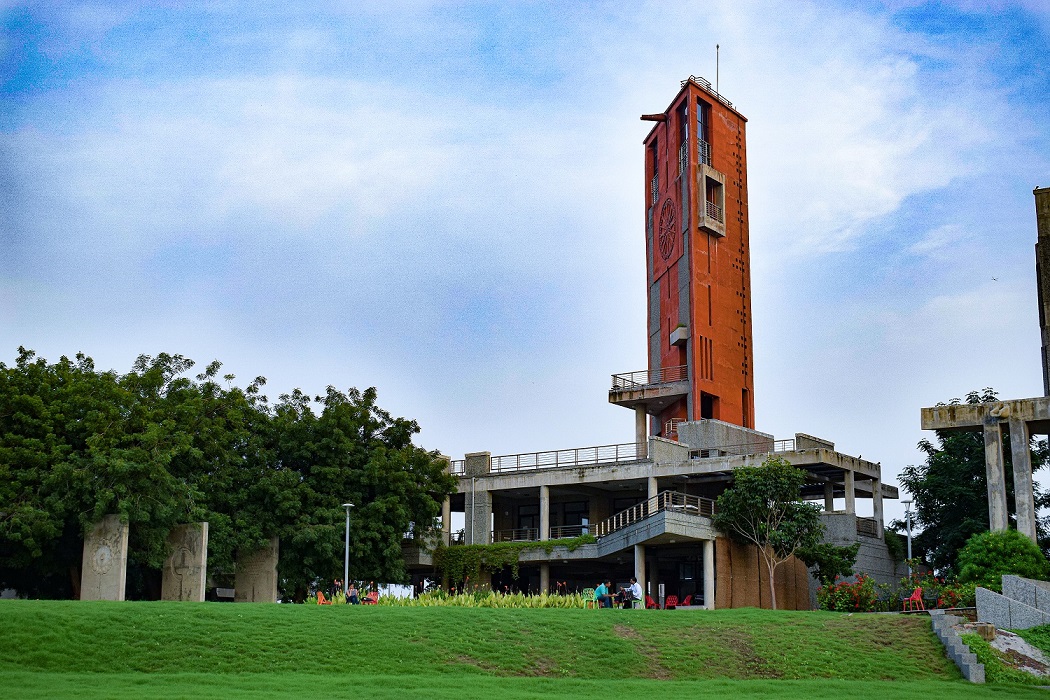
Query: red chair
point(650, 604)
point(321, 600)
point(370, 599)
point(688, 600)
point(671, 602)
point(915, 600)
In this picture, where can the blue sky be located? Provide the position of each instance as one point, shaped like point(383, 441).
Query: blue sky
point(444, 200)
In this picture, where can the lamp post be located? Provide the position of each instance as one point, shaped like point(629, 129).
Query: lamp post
point(346, 550)
point(907, 520)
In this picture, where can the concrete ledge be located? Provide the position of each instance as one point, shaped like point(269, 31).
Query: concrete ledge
point(958, 652)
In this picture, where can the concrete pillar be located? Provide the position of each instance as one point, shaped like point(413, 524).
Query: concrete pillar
point(446, 522)
point(653, 487)
point(639, 568)
point(709, 574)
point(545, 512)
point(478, 515)
point(653, 577)
point(829, 497)
point(185, 572)
point(545, 578)
point(103, 572)
point(851, 494)
point(876, 503)
point(1024, 495)
point(641, 432)
point(993, 466)
point(255, 580)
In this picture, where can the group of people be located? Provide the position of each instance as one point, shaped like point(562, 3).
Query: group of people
point(353, 596)
point(605, 598)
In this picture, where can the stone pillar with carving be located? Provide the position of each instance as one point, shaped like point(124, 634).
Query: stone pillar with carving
point(104, 572)
point(185, 572)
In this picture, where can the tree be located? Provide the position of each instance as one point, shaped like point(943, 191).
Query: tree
point(829, 560)
point(989, 555)
point(950, 489)
point(763, 507)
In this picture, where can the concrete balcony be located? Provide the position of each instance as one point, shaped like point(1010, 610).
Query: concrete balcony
point(655, 389)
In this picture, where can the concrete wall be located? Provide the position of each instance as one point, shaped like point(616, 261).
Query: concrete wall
point(708, 434)
point(873, 558)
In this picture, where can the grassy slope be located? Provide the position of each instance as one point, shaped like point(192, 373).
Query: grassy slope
point(213, 650)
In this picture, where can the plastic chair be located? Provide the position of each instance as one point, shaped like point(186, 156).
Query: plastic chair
point(688, 600)
point(650, 604)
point(321, 600)
point(914, 600)
point(671, 602)
point(588, 597)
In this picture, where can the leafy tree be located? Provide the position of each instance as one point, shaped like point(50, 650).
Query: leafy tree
point(950, 489)
point(829, 560)
point(160, 448)
point(988, 555)
point(764, 507)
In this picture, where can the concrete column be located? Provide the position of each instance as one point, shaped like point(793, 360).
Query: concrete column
point(851, 494)
point(653, 487)
point(993, 466)
point(1024, 495)
point(829, 497)
point(709, 574)
point(478, 512)
point(641, 431)
point(545, 512)
point(654, 577)
point(446, 522)
point(876, 503)
point(639, 568)
point(545, 578)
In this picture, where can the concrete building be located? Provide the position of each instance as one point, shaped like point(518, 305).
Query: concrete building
point(649, 502)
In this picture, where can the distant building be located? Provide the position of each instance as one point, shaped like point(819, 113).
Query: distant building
point(649, 501)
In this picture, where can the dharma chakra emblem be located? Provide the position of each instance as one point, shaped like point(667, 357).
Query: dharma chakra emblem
point(668, 228)
point(102, 561)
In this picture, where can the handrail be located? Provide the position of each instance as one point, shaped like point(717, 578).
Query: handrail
point(663, 501)
point(748, 448)
point(573, 457)
point(714, 212)
point(560, 531)
point(706, 84)
point(518, 534)
point(648, 377)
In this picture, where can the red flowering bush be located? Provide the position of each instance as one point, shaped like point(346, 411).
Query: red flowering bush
point(848, 596)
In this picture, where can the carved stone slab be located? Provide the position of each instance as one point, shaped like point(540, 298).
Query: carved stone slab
point(105, 566)
point(186, 570)
point(256, 577)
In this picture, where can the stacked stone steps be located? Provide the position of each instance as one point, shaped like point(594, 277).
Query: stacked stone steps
point(966, 660)
point(1023, 603)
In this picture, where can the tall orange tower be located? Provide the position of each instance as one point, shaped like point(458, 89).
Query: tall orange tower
point(698, 267)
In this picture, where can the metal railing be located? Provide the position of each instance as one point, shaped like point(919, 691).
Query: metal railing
point(574, 457)
point(714, 212)
point(457, 537)
point(706, 84)
point(560, 531)
point(654, 189)
point(457, 466)
point(868, 527)
point(664, 501)
point(647, 377)
point(671, 428)
point(518, 534)
point(750, 448)
point(704, 150)
point(683, 157)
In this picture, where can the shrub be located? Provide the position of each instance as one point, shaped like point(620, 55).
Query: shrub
point(849, 596)
point(989, 555)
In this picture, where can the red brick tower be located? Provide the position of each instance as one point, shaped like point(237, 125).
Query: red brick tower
point(698, 264)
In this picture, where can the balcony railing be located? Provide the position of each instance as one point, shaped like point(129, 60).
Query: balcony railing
point(457, 466)
point(648, 377)
point(750, 448)
point(706, 84)
point(714, 212)
point(574, 457)
point(457, 537)
point(704, 150)
point(683, 157)
point(665, 501)
point(867, 527)
point(654, 189)
point(561, 531)
point(518, 534)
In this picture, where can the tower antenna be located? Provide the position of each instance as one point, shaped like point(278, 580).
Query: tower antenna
point(716, 69)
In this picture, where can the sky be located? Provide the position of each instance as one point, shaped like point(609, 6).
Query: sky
point(444, 200)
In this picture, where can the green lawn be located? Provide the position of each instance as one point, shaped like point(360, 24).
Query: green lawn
point(94, 649)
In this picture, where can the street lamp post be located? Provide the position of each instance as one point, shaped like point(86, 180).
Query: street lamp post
point(907, 520)
point(346, 550)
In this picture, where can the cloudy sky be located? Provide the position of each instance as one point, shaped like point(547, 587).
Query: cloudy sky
point(445, 200)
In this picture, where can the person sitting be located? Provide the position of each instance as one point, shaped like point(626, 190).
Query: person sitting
point(351, 595)
point(631, 594)
point(603, 594)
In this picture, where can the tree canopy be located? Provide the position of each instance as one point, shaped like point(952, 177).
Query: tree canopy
point(160, 448)
point(764, 507)
point(950, 489)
